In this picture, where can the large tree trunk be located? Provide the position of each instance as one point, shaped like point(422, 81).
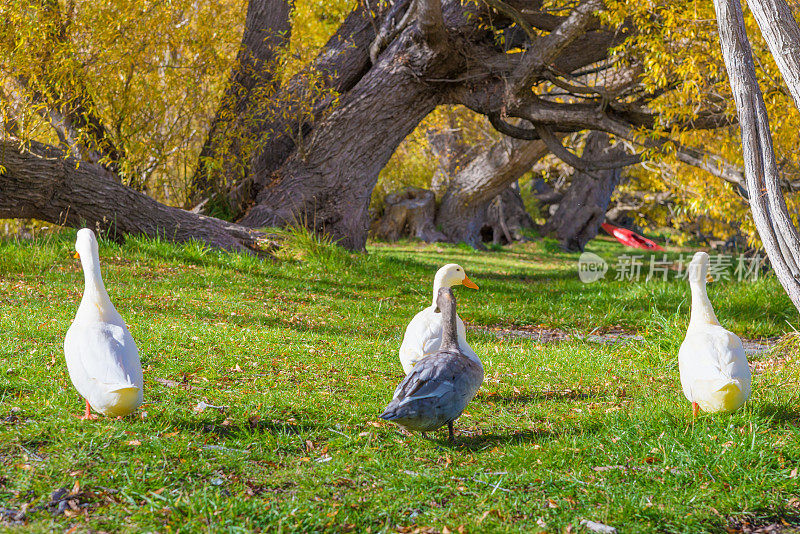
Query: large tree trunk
point(39, 181)
point(225, 158)
point(339, 66)
point(462, 212)
point(276, 124)
point(409, 212)
point(328, 184)
point(506, 216)
point(451, 151)
point(583, 208)
point(769, 211)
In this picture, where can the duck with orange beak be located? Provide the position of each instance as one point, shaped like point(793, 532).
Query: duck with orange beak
point(423, 335)
point(102, 358)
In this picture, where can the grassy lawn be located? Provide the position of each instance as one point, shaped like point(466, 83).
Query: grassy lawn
point(301, 357)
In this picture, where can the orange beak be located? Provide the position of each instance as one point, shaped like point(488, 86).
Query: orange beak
point(709, 278)
point(469, 283)
point(77, 256)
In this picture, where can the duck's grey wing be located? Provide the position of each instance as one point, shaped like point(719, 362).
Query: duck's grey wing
point(433, 390)
point(426, 377)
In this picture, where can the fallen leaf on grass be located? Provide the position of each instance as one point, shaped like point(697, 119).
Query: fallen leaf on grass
point(598, 527)
point(133, 443)
point(203, 406)
point(174, 383)
point(12, 517)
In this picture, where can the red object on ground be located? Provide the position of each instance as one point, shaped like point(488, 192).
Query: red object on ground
point(630, 239)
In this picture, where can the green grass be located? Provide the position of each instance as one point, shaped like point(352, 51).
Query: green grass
point(304, 355)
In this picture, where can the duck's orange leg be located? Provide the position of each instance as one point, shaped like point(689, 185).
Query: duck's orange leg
point(695, 409)
point(87, 414)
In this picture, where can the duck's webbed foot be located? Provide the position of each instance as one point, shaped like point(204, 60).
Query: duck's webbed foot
point(87, 414)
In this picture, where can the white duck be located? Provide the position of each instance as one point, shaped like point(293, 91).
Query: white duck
point(713, 366)
point(423, 335)
point(102, 358)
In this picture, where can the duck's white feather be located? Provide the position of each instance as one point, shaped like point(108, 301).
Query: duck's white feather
point(423, 337)
point(102, 357)
point(714, 370)
point(712, 362)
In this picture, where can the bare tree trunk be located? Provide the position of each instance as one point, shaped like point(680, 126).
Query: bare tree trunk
point(462, 212)
point(506, 216)
point(327, 183)
point(583, 208)
point(760, 168)
point(39, 181)
point(277, 123)
point(409, 212)
point(225, 158)
point(780, 30)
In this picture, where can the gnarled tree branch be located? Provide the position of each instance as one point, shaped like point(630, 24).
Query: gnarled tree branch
point(547, 48)
point(40, 181)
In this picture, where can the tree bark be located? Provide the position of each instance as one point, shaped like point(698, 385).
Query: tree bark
point(40, 181)
point(409, 212)
point(278, 123)
point(327, 187)
point(760, 167)
point(782, 34)
point(583, 208)
point(462, 212)
point(227, 153)
point(506, 216)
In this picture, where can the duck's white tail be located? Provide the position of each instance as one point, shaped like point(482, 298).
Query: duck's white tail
point(122, 401)
point(727, 398)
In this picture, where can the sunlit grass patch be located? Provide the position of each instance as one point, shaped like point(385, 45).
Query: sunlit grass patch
point(264, 379)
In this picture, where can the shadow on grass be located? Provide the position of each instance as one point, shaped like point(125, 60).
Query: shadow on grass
point(779, 413)
point(534, 396)
point(487, 441)
point(250, 428)
point(491, 440)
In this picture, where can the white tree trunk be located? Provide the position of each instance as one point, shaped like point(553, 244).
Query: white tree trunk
point(760, 169)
